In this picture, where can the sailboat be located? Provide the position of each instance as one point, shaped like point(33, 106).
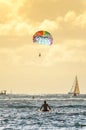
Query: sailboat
point(75, 88)
point(3, 92)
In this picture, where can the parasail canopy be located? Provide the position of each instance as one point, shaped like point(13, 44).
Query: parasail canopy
point(43, 37)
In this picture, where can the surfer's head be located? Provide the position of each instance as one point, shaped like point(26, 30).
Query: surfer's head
point(45, 102)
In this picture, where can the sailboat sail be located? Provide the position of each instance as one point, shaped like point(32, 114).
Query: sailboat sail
point(75, 88)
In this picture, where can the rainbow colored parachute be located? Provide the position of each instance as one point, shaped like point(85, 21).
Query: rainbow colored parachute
point(43, 37)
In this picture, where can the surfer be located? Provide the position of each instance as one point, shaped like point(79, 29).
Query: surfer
point(45, 107)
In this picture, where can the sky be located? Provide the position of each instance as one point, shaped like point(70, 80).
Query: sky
point(21, 69)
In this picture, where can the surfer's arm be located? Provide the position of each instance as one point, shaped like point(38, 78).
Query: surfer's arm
point(49, 107)
point(41, 107)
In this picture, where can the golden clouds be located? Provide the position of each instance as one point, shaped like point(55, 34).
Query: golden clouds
point(64, 19)
point(70, 16)
point(24, 17)
point(5, 10)
point(40, 10)
point(76, 20)
point(9, 10)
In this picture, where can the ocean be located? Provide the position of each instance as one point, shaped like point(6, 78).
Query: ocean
point(21, 112)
